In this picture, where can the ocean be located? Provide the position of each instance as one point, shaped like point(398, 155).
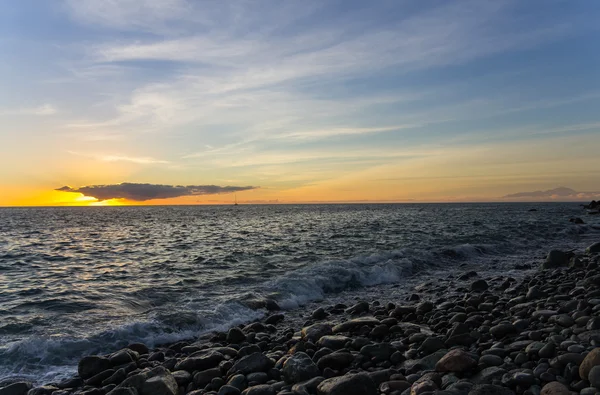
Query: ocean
point(81, 280)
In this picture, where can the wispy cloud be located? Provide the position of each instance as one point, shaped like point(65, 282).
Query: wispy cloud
point(121, 158)
point(43, 110)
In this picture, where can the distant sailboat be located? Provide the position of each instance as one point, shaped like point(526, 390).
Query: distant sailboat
point(235, 202)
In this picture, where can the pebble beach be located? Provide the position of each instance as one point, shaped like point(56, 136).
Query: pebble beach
point(463, 334)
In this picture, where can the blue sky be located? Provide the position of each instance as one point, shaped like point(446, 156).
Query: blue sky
point(311, 100)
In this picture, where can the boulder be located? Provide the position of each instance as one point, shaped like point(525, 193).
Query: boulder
point(298, 368)
point(263, 389)
point(20, 388)
point(355, 323)
point(594, 248)
point(456, 360)
point(204, 377)
point(591, 360)
point(200, 362)
point(479, 286)
point(256, 362)
point(337, 361)
point(594, 377)
point(555, 388)
point(350, 384)
point(489, 389)
point(556, 258)
point(335, 342)
point(235, 335)
point(316, 331)
point(163, 384)
point(92, 365)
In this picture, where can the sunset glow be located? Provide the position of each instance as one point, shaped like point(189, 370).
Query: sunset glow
point(337, 102)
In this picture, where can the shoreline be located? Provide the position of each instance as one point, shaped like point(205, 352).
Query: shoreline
point(468, 333)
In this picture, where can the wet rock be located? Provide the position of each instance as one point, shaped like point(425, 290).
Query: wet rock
point(201, 362)
point(422, 387)
point(501, 330)
point(19, 388)
point(336, 361)
point(456, 360)
point(256, 362)
point(229, 390)
point(319, 314)
point(164, 384)
point(396, 385)
point(431, 344)
point(274, 319)
point(299, 367)
point(594, 376)
point(594, 248)
point(350, 384)
point(491, 360)
point(206, 376)
point(490, 389)
point(479, 285)
point(100, 377)
point(488, 375)
point(334, 342)
point(355, 323)
point(424, 307)
point(235, 335)
point(316, 331)
point(116, 378)
point(43, 390)
point(123, 391)
point(123, 357)
point(555, 388)
point(591, 360)
point(359, 308)
point(263, 389)
point(92, 365)
point(309, 386)
point(380, 352)
point(556, 258)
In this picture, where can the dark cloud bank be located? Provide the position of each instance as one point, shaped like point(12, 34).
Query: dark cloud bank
point(557, 193)
point(143, 192)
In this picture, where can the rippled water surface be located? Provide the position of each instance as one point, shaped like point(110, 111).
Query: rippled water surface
point(80, 280)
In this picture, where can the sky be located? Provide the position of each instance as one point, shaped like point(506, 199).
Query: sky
point(108, 102)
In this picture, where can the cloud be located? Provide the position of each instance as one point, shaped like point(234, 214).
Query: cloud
point(141, 160)
point(43, 110)
point(142, 192)
point(560, 193)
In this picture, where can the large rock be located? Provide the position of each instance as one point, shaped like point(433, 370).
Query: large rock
point(204, 377)
point(488, 375)
point(20, 388)
point(355, 323)
point(335, 342)
point(263, 389)
point(555, 388)
point(350, 384)
point(591, 360)
point(164, 384)
point(594, 377)
point(299, 367)
point(479, 286)
point(92, 365)
point(256, 362)
point(201, 362)
point(502, 329)
point(556, 258)
point(489, 389)
point(456, 360)
point(316, 331)
point(380, 351)
point(124, 356)
point(336, 361)
point(594, 248)
point(235, 335)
